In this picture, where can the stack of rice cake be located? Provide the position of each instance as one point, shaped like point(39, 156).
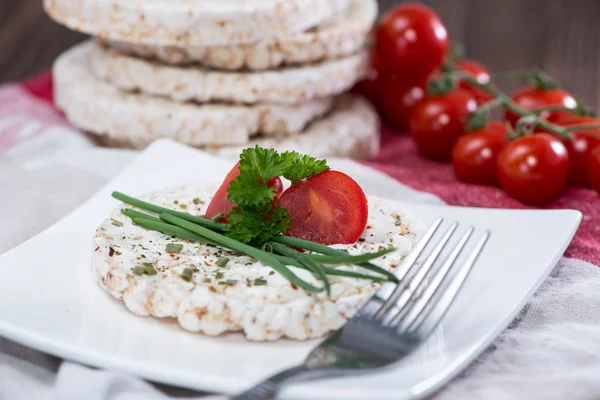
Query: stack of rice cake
point(221, 75)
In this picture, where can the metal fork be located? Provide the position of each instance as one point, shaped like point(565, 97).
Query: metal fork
point(394, 322)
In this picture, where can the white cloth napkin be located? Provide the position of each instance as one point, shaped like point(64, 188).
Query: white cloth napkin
point(552, 351)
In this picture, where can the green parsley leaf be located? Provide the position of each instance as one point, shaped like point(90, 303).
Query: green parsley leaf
point(300, 167)
point(252, 226)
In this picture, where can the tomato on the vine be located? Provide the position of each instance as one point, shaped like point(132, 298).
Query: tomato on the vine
point(481, 74)
point(372, 86)
point(594, 169)
point(534, 169)
point(532, 98)
point(438, 121)
point(580, 147)
point(412, 40)
point(400, 98)
point(475, 154)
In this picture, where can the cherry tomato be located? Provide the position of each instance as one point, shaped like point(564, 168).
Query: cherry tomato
point(534, 169)
point(399, 100)
point(327, 208)
point(531, 98)
point(372, 86)
point(437, 122)
point(595, 169)
point(480, 73)
point(221, 204)
point(580, 147)
point(475, 154)
point(412, 40)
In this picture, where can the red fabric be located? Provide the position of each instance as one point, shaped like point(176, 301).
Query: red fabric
point(41, 86)
point(399, 159)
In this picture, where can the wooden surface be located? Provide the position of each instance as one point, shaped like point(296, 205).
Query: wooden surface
point(561, 36)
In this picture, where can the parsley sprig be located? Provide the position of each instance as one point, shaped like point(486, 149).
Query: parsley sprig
point(256, 219)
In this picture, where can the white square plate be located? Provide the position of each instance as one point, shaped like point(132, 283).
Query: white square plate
point(48, 300)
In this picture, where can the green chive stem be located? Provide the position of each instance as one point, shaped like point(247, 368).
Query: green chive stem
point(261, 256)
point(311, 265)
point(160, 210)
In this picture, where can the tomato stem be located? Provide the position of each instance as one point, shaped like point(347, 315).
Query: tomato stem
point(540, 79)
point(479, 118)
point(583, 127)
point(512, 106)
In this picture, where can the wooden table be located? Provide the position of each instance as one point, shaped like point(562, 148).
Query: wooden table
point(560, 36)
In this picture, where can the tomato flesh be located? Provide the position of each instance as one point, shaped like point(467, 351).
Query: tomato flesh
point(534, 169)
point(221, 204)
point(327, 208)
point(475, 155)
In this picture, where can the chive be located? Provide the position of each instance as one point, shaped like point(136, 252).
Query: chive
point(174, 248)
point(144, 269)
point(222, 262)
point(267, 247)
point(159, 210)
point(229, 282)
point(169, 229)
point(187, 274)
point(319, 248)
point(218, 217)
point(260, 282)
point(116, 222)
point(261, 256)
point(219, 275)
point(183, 206)
point(197, 201)
point(136, 214)
point(348, 259)
point(311, 265)
point(333, 271)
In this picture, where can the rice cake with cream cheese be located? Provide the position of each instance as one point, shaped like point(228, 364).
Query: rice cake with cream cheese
point(244, 295)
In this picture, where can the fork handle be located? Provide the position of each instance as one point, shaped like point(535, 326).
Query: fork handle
point(268, 388)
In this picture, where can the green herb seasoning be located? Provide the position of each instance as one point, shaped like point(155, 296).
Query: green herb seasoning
point(175, 248)
point(218, 217)
point(260, 282)
point(222, 262)
point(187, 274)
point(144, 269)
point(219, 275)
point(116, 222)
point(197, 201)
point(183, 206)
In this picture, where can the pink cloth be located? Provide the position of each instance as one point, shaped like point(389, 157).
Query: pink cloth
point(399, 159)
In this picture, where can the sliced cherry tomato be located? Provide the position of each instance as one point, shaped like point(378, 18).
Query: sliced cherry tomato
point(372, 86)
point(438, 121)
point(221, 204)
point(531, 98)
point(475, 155)
point(412, 40)
point(327, 208)
point(400, 98)
point(595, 169)
point(534, 169)
point(580, 147)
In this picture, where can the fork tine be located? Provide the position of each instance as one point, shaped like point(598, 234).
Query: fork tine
point(402, 294)
point(403, 320)
point(374, 304)
point(440, 306)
